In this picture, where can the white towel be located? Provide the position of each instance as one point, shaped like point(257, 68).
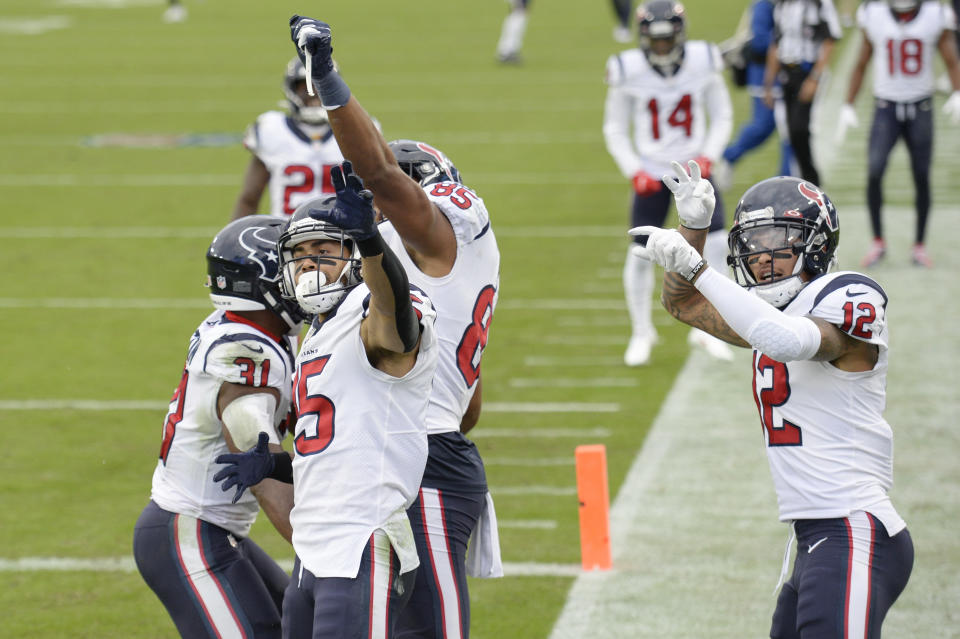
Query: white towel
point(483, 554)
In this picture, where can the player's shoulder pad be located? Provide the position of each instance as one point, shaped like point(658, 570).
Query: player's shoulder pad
point(243, 355)
point(426, 315)
point(464, 209)
point(852, 301)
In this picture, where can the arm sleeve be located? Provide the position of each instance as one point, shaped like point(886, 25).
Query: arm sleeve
point(780, 336)
point(617, 113)
point(761, 26)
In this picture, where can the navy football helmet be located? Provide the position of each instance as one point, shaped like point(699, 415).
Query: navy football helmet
point(662, 20)
point(295, 74)
point(783, 215)
point(424, 163)
point(310, 289)
point(243, 269)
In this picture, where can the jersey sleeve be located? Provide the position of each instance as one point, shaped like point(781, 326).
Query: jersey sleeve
point(856, 305)
point(465, 209)
point(617, 113)
point(426, 314)
point(251, 138)
point(863, 19)
point(247, 359)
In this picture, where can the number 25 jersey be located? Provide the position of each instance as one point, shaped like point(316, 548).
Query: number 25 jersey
point(829, 447)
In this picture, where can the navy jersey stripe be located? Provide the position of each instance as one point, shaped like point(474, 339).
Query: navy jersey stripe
point(846, 280)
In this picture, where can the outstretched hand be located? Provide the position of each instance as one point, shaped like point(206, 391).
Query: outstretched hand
point(353, 213)
point(314, 46)
point(245, 469)
point(694, 195)
point(669, 249)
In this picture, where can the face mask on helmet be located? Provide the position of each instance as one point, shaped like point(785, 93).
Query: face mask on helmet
point(424, 163)
point(303, 280)
point(778, 220)
point(243, 269)
point(662, 33)
point(294, 84)
point(904, 6)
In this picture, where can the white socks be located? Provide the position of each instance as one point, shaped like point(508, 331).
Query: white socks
point(511, 35)
point(638, 289)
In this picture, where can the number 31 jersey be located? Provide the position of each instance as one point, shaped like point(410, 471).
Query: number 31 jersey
point(298, 159)
point(829, 447)
point(225, 348)
point(465, 299)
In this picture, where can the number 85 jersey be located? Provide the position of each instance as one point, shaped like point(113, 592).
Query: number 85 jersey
point(465, 299)
point(829, 447)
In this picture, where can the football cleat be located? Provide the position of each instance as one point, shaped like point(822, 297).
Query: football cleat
point(638, 350)
point(715, 347)
point(878, 250)
point(919, 256)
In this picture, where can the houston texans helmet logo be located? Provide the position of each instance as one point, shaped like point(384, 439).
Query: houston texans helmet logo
point(257, 246)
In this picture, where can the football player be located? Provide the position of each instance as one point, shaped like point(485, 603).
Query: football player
point(906, 32)
point(671, 93)
point(362, 382)
point(440, 230)
point(293, 152)
point(191, 543)
point(512, 32)
point(819, 343)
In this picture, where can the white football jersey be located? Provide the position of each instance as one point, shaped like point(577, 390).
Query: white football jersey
point(829, 447)
point(298, 157)
point(673, 118)
point(225, 348)
point(903, 51)
point(360, 441)
point(466, 298)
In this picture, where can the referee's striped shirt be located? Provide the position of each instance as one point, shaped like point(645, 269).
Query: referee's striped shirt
point(800, 27)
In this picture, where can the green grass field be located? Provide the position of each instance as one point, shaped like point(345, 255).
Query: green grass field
point(120, 159)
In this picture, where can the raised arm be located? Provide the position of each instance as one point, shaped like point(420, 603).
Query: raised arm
point(421, 224)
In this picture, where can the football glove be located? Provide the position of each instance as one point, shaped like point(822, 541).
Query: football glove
point(952, 107)
point(353, 213)
point(314, 45)
point(669, 249)
point(645, 184)
point(848, 120)
point(705, 165)
point(694, 196)
point(245, 469)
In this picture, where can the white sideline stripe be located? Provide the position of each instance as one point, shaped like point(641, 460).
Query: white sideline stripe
point(129, 303)
point(33, 26)
point(548, 433)
point(521, 491)
point(551, 407)
point(561, 362)
point(573, 382)
point(137, 404)
point(207, 232)
point(542, 524)
point(127, 564)
point(526, 461)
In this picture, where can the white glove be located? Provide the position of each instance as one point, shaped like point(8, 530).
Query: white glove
point(848, 120)
point(694, 195)
point(952, 107)
point(669, 249)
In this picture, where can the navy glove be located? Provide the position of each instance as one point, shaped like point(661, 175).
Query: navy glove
point(313, 38)
point(246, 469)
point(353, 213)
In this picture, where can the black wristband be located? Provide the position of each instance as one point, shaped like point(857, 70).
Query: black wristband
point(371, 246)
point(696, 269)
point(282, 468)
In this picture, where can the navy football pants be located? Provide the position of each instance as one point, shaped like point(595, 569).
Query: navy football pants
point(847, 574)
point(212, 583)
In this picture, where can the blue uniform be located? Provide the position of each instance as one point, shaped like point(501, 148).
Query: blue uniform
point(762, 124)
